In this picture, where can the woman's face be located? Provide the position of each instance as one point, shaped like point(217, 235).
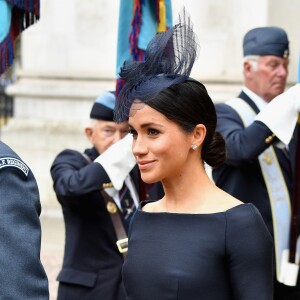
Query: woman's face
point(160, 146)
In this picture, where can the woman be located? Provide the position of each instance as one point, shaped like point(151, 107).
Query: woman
point(197, 242)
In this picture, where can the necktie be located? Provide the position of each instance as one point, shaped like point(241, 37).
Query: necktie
point(127, 203)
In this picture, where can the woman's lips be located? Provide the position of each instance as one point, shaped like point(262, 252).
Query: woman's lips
point(145, 164)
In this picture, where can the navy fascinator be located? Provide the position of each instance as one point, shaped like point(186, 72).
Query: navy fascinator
point(169, 59)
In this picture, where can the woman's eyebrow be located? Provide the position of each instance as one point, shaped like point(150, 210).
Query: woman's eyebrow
point(149, 124)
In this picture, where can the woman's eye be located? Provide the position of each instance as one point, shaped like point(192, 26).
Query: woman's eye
point(152, 131)
point(132, 132)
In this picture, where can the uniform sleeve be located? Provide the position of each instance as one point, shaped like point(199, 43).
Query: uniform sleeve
point(74, 176)
point(21, 273)
point(243, 144)
point(249, 252)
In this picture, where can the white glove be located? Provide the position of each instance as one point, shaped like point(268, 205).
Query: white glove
point(281, 114)
point(118, 161)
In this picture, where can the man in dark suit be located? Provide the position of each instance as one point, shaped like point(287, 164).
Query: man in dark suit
point(22, 275)
point(259, 132)
point(92, 260)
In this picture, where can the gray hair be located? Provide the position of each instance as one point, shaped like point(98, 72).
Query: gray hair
point(252, 60)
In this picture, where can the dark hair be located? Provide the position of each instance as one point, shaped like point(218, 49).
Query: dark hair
point(188, 104)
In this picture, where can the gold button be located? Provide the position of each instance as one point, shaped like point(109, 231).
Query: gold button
point(111, 207)
point(270, 138)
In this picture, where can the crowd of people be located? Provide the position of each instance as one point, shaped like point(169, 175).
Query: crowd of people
point(143, 220)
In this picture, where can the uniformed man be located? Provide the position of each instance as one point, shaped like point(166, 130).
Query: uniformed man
point(259, 133)
point(22, 275)
point(95, 221)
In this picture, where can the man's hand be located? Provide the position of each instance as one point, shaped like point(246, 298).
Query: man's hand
point(281, 114)
point(118, 161)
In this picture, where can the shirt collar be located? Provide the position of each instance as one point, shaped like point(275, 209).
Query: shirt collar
point(259, 102)
point(112, 192)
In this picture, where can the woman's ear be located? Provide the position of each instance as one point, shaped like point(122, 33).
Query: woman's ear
point(199, 135)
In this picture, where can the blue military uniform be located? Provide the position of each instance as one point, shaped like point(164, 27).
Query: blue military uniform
point(241, 175)
point(22, 275)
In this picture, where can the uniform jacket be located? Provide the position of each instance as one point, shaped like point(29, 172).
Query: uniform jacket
point(92, 263)
point(22, 275)
point(241, 175)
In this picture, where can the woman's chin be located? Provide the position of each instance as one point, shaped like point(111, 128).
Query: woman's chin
point(149, 179)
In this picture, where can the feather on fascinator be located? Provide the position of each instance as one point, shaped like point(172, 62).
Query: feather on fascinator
point(169, 59)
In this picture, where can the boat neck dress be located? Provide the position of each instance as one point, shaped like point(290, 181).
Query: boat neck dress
point(218, 256)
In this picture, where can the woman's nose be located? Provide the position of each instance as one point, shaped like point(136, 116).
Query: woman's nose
point(139, 146)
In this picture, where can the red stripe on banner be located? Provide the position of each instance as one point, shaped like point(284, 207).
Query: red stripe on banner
point(29, 6)
point(136, 26)
point(21, 18)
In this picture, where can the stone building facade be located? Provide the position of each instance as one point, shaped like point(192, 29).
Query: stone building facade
point(68, 58)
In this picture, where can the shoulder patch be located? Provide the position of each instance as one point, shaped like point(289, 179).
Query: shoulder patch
point(11, 162)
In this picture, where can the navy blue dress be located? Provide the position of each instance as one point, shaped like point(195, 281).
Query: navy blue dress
point(218, 256)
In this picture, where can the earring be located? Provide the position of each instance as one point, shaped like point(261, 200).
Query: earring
point(194, 147)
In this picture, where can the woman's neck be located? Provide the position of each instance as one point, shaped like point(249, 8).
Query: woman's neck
point(188, 191)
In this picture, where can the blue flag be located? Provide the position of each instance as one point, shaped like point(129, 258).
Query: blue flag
point(139, 21)
point(15, 16)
